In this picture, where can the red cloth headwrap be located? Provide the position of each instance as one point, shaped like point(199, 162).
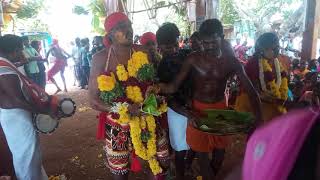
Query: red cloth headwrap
point(111, 21)
point(148, 36)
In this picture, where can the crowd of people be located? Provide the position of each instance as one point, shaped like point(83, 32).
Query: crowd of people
point(204, 72)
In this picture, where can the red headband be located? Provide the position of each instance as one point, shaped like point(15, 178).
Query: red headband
point(146, 37)
point(113, 19)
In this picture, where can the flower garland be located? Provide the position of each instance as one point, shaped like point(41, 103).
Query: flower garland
point(134, 94)
point(122, 73)
point(109, 88)
point(277, 87)
point(163, 108)
point(131, 84)
point(136, 62)
point(147, 153)
point(122, 110)
point(106, 83)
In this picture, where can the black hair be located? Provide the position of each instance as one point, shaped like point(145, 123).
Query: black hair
point(168, 33)
point(195, 35)
point(210, 27)
point(25, 38)
point(312, 64)
point(100, 38)
point(264, 41)
point(35, 45)
point(10, 43)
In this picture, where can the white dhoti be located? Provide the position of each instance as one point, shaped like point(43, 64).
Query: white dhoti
point(177, 130)
point(23, 142)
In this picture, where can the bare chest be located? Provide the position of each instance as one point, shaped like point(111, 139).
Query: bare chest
point(211, 68)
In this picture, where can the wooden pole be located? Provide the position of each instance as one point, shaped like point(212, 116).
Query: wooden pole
point(310, 35)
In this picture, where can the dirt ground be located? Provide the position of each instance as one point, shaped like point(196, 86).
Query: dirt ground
point(74, 151)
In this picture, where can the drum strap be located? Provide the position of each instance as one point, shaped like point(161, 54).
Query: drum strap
point(38, 95)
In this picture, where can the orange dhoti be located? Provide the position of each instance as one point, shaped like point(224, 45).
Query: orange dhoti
point(200, 141)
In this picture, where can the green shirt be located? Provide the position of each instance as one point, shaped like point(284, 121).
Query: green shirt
point(32, 66)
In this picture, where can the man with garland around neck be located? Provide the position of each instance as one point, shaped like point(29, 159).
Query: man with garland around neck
point(269, 78)
point(210, 69)
point(119, 48)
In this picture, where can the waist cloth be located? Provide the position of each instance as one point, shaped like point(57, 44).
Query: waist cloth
point(59, 65)
point(200, 141)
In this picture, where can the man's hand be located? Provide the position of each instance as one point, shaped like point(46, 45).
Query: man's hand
point(134, 109)
point(193, 118)
point(155, 89)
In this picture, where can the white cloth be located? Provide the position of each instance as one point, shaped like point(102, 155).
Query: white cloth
point(76, 54)
point(22, 139)
point(177, 130)
point(24, 144)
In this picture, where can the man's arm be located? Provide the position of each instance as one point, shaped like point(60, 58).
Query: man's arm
point(98, 67)
point(174, 85)
point(48, 53)
point(248, 87)
point(12, 97)
point(65, 52)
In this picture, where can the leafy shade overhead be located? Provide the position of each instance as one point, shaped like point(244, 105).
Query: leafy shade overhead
point(227, 12)
point(97, 9)
point(29, 9)
point(79, 10)
point(271, 15)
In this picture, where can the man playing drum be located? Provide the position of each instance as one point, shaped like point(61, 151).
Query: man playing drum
point(16, 108)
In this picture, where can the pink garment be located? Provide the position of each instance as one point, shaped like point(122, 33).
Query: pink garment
point(273, 149)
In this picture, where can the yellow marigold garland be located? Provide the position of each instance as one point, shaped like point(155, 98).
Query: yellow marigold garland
point(134, 94)
point(136, 62)
point(122, 73)
point(163, 108)
point(278, 92)
point(147, 153)
point(124, 117)
point(106, 83)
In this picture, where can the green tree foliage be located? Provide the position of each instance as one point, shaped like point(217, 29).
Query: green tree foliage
point(262, 14)
point(227, 12)
point(97, 9)
point(30, 9)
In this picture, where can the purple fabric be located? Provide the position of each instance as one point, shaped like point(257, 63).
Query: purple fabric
point(272, 149)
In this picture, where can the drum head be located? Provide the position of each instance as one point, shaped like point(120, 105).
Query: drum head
point(45, 123)
point(67, 107)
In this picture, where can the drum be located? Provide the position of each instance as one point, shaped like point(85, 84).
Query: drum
point(45, 123)
point(66, 108)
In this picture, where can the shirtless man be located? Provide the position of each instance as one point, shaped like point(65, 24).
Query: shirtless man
point(210, 72)
point(118, 50)
point(16, 108)
point(60, 63)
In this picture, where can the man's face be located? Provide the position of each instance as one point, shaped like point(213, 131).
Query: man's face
point(151, 46)
point(17, 56)
point(26, 42)
point(272, 52)
point(169, 49)
point(123, 33)
point(195, 44)
point(212, 44)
